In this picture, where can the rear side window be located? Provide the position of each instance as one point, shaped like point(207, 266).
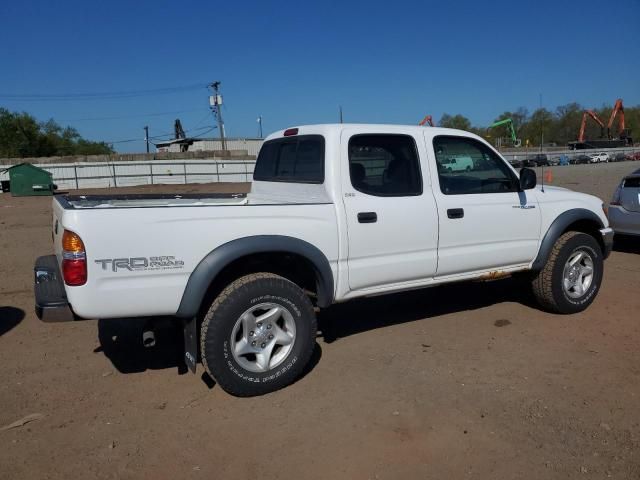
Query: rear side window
point(385, 165)
point(297, 159)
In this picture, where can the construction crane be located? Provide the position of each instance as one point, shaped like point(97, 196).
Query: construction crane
point(583, 124)
point(428, 119)
point(623, 132)
point(178, 130)
point(512, 131)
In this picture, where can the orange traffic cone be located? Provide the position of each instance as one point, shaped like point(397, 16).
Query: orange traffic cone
point(548, 176)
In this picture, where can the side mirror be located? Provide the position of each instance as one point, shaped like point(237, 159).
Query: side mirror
point(528, 179)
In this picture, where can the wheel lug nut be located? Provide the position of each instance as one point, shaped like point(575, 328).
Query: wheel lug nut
point(259, 324)
point(253, 344)
point(251, 333)
point(270, 337)
point(263, 345)
point(269, 326)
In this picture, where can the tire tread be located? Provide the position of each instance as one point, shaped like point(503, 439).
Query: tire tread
point(542, 283)
point(217, 308)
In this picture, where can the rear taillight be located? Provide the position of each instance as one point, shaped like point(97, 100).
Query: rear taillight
point(615, 200)
point(74, 259)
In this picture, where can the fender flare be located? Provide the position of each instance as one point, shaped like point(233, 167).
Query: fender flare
point(216, 260)
point(558, 226)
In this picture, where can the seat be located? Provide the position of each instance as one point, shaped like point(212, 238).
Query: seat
point(358, 174)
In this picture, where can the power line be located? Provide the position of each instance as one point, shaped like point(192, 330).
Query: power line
point(157, 137)
point(172, 133)
point(99, 95)
point(123, 141)
point(140, 115)
point(203, 133)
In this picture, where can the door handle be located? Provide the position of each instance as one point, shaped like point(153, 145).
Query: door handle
point(455, 212)
point(367, 217)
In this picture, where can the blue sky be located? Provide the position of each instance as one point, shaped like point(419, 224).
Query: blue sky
point(295, 62)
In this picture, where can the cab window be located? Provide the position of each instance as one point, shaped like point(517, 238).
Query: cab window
point(385, 165)
point(298, 159)
point(467, 166)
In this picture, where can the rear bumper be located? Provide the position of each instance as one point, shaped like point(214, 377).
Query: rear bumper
point(607, 238)
point(51, 299)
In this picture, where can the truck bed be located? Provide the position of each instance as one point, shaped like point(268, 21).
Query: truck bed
point(70, 202)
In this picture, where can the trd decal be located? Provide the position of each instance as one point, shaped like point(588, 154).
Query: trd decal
point(167, 262)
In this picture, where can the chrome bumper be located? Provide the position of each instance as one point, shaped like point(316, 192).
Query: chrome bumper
point(607, 239)
point(51, 299)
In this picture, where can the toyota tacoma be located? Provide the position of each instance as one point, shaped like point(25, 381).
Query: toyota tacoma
point(334, 212)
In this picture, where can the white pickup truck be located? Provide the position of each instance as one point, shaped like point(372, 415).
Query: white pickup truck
point(335, 212)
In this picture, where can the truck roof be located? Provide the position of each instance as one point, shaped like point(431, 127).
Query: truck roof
point(332, 128)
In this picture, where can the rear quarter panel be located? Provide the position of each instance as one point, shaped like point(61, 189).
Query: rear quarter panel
point(183, 234)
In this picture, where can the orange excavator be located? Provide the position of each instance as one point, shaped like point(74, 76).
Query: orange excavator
point(428, 119)
point(618, 110)
point(583, 124)
point(623, 134)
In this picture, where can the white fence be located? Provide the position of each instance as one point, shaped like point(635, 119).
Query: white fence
point(103, 175)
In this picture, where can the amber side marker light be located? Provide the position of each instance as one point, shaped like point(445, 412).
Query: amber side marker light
point(74, 260)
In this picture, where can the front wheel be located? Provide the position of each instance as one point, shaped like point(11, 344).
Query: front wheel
point(258, 335)
point(571, 278)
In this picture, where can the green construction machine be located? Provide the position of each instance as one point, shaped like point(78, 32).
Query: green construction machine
point(512, 132)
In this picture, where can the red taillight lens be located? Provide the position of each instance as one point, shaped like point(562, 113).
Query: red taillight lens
point(616, 196)
point(74, 260)
point(74, 272)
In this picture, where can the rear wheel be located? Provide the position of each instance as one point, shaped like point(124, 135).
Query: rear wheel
point(571, 278)
point(258, 335)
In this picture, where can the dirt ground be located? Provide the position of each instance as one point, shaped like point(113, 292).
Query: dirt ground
point(461, 381)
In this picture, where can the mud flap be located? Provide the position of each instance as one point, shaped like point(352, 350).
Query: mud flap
point(191, 343)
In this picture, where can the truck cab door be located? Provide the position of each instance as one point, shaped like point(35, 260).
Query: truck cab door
point(391, 217)
point(486, 223)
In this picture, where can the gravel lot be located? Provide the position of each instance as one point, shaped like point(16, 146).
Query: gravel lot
point(461, 381)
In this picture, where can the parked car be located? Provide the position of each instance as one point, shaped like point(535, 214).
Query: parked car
point(516, 162)
point(458, 164)
point(537, 160)
point(598, 157)
point(580, 159)
point(624, 208)
point(554, 160)
point(335, 212)
point(618, 157)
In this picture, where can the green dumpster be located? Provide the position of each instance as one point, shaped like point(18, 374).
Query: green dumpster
point(26, 180)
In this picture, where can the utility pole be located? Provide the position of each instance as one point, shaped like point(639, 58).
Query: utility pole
point(260, 124)
point(146, 137)
point(541, 125)
point(215, 101)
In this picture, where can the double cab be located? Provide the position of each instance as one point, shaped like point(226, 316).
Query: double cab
point(334, 212)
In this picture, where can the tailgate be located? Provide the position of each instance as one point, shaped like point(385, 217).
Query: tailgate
point(630, 194)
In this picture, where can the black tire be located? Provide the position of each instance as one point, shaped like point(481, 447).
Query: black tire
point(216, 335)
point(548, 283)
